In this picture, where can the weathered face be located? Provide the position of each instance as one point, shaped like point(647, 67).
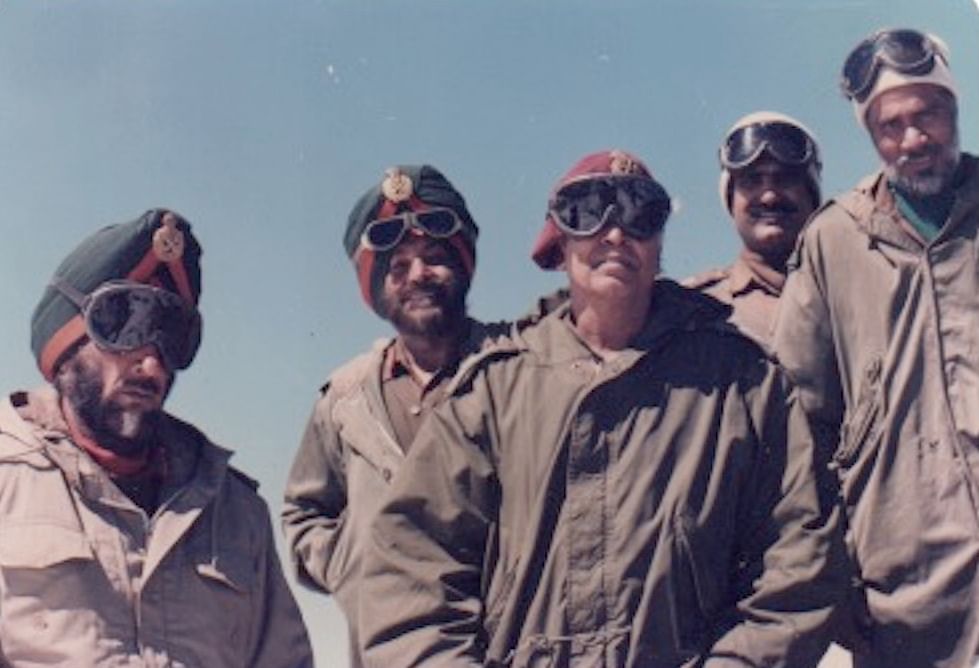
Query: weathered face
point(915, 131)
point(117, 396)
point(770, 203)
point(611, 264)
point(424, 291)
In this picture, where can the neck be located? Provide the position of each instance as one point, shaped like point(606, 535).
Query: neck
point(426, 354)
point(609, 325)
point(770, 270)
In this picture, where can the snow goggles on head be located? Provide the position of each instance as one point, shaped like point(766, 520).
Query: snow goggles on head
point(121, 316)
point(637, 204)
point(787, 143)
point(903, 50)
point(386, 233)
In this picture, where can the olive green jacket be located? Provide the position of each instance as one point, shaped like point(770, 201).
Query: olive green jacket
point(881, 333)
point(343, 467)
point(658, 509)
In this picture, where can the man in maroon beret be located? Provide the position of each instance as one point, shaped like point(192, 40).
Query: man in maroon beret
point(125, 536)
point(413, 245)
point(626, 481)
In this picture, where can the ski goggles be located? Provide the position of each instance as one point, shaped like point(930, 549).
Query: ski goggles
point(903, 50)
point(638, 205)
point(121, 316)
point(386, 233)
point(787, 143)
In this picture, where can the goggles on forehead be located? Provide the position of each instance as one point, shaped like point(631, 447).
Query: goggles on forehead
point(903, 50)
point(787, 143)
point(638, 205)
point(121, 316)
point(386, 233)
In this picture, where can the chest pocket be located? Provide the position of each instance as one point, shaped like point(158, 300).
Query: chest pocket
point(36, 546)
point(45, 567)
point(360, 429)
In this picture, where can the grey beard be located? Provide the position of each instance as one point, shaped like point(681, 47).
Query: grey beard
point(925, 186)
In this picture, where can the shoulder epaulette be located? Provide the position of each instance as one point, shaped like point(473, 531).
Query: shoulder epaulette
point(705, 279)
point(350, 374)
point(247, 479)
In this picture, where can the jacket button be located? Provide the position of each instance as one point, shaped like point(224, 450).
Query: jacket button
point(386, 474)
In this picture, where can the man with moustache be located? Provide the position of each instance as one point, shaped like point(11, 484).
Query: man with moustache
point(626, 481)
point(412, 241)
point(879, 325)
point(125, 536)
point(769, 184)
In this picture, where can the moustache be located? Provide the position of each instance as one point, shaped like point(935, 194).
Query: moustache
point(147, 385)
point(916, 155)
point(430, 290)
point(781, 208)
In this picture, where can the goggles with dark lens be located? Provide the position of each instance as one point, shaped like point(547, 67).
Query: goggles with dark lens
point(903, 50)
point(121, 316)
point(386, 233)
point(638, 205)
point(787, 143)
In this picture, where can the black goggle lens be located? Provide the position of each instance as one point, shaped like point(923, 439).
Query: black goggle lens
point(639, 206)
point(122, 318)
point(907, 51)
point(385, 233)
point(789, 145)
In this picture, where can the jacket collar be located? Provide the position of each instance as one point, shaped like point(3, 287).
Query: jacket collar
point(873, 207)
point(673, 309)
point(192, 462)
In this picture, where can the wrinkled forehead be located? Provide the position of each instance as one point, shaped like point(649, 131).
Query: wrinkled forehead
point(913, 98)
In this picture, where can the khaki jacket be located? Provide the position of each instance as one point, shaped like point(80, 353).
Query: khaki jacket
point(340, 474)
point(753, 300)
point(87, 579)
point(658, 509)
point(881, 333)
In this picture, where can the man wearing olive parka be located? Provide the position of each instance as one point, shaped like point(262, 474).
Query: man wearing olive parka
point(626, 482)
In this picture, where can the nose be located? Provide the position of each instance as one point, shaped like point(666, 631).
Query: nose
point(612, 233)
point(768, 193)
point(913, 138)
point(417, 270)
point(148, 361)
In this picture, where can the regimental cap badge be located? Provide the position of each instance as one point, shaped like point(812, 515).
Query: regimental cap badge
point(168, 240)
point(621, 163)
point(396, 186)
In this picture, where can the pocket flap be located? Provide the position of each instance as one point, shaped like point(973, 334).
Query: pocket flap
point(232, 571)
point(40, 545)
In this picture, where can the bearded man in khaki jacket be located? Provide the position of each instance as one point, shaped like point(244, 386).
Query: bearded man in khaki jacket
point(879, 326)
point(626, 482)
point(126, 539)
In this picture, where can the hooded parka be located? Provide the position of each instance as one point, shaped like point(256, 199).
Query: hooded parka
point(881, 332)
point(658, 509)
point(88, 579)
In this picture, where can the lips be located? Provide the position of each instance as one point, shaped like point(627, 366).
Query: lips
point(615, 259)
point(143, 392)
point(422, 299)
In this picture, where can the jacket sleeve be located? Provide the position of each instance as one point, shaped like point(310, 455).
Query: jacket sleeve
point(791, 572)
point(315, 509)
point(278, 633)
point(422, 601)
point(803, 335)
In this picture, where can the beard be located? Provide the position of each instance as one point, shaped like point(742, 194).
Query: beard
point(126, 431)
point(444, 314)
point(926, 185)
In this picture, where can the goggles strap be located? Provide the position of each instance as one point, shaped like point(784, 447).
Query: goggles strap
point(69, 291)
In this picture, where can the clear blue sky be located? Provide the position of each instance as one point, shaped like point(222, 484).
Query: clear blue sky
point(262, 122)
